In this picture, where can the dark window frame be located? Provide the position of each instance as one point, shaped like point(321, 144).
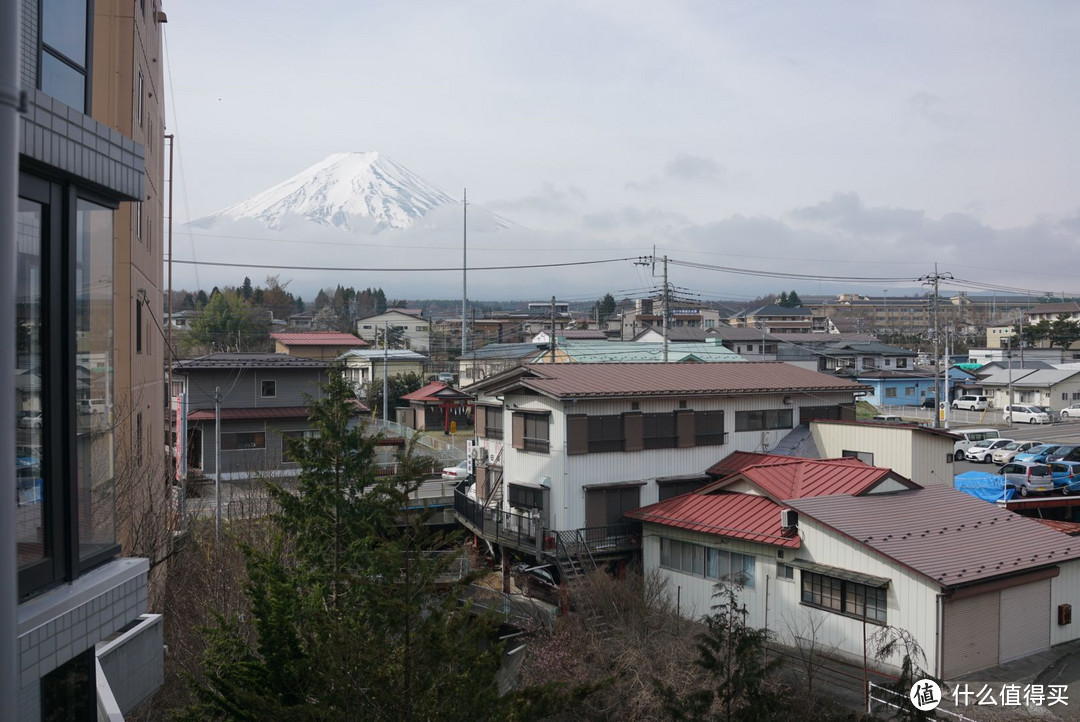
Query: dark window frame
point(532, 425)
point(844, 597)
point(659, 431)
point(764, 420)
point(606, 433)
point(262, 388)
point(234, 441)
point(85, 69)
point(493, 422)
point(63, 558)
point(709, 428)
point(525, 497)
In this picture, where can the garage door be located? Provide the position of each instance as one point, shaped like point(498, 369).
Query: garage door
point(971, 639)
point(1025, 620)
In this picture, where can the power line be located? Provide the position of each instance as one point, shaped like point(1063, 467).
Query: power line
point(411, 269)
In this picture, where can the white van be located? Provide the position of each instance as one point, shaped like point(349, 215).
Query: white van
point(969, 437)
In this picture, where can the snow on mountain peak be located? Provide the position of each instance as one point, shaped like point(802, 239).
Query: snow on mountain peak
point(339, 191)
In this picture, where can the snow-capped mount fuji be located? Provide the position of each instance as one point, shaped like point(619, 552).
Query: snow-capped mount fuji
point(359, 191)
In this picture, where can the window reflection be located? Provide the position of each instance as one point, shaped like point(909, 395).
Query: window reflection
point(94, 376)
point(29, 484)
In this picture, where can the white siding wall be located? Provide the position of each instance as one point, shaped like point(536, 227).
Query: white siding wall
point(1065, 589)
point(924, 458)
point(570, 474)
point(912, 600)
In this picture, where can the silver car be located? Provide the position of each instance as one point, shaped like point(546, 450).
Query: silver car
point(1006, 453)
point(1027, 476)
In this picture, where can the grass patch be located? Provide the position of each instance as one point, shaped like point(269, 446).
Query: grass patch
point(864, 410)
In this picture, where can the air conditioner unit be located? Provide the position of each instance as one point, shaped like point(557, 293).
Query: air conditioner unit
point(480, 454)
point(789, 518)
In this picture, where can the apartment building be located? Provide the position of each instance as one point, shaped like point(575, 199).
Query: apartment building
point(79, 641)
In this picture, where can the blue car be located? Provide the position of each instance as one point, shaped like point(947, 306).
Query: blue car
point(1066, 475)
point(1037, 453)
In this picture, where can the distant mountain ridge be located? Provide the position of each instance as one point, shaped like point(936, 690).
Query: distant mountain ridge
point(357, 191)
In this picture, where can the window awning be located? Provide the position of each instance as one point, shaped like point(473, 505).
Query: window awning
point(845, 574)
point(529, 485)
point(616, 485)
point(683, 478)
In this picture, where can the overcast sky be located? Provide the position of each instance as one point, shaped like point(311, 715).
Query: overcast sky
point(854, 139)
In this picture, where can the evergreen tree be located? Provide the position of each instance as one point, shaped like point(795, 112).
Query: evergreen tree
point(398, 385)
point(733, 654)
point(227, 322)
point(1063, 332)
point(783, 300)
point(345, 620)
point(607, 305)
point(793, 300)
point(201, 299)
point(246, 290)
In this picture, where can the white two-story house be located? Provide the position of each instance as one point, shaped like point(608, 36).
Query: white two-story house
point(568, 447)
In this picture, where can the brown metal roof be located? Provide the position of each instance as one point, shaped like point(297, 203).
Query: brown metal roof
point(944, 534)
point(272, 412)
point(319, 338)
point(735, 516)
point(629, 379)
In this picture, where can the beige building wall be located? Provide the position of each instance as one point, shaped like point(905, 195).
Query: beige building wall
point(127, 96)
point(923, 457)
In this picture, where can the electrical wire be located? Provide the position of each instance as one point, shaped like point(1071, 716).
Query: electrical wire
point(410, 269)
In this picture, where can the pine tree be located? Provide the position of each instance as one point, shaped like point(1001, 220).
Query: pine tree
point(793, 300)
point(783, 300)
point(346, 621)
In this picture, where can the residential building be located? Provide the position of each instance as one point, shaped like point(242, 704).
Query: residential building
point(362, 366)
point(76, 327)
point(262, 397)
point(1056, 388)
point(781, 319)
point(495, 358)
point(648, 313)
point(857, 357)
point(1000, 336)
point(593, 352)
point(1002, 355)
point(920, 453)
point(575, 334)
point(321, 345)
point(1053, 311)
point(848, 549)
point(407, 328)
point(572, 446)
point(898, 388)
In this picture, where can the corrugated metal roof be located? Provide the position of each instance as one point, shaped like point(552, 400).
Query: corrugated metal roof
point(271, 412)
point(734, 516)
point(799, 479)
point(506, 351)
point(248, 360)
point(1038, 377)
point(376, 354)
point(436, 391)
point(629, 379)
point(1065, 527)
point(889, 425)
point(319, 338)
point(594, 352)
point(739, 460)
point(944, 534)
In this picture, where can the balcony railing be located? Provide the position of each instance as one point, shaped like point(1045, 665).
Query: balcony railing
point(525, 532)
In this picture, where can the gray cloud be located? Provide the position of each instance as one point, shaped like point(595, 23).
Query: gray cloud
point(845, 211)
point(549, 199)
point(684, 168)
point(632, 217)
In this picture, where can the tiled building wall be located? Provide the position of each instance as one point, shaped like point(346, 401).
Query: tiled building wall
point(65, 622)
point(65, 139)
point(29, 44)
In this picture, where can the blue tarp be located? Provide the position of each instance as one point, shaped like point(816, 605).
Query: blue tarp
point(983, 485)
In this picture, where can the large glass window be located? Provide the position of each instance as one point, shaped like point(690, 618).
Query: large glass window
point(29, 402)
point(243, 440)
point(65, 489)
point(94, 367)
point(708, 562)
point(63, 57)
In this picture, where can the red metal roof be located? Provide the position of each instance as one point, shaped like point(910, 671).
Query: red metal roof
point(635, 379)
point(787, 477)
point(427, 393)
point(268, 412)
point(319, 338)
point(735, 516)
point(739, 460)
point(1065, 527)
point(944, 534)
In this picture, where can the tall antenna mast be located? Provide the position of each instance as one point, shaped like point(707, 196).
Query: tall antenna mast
point(464, 266)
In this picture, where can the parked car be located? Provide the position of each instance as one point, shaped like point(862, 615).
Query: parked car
point(1065, 452)
point(458, 471)
point(971, 402)
point(930, 402)
point(1027, 477)
point(1007, 453)
point(888, 419)
point(1066, 476)
point(1049, 412)
point(32, 420)
point(1070, 412)
point(969, 437)
point(1023, 413)
point(92, 406)
point(980, 452)
point(1038, 453)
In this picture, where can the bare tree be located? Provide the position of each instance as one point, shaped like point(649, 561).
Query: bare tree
point(811, 649)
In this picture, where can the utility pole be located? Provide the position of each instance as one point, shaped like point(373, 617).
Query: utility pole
point(934, 279)
point(667, 310)
point(385, 373)
point(464, 267)
point(217, 463)
point(552, 343)
point(173, 441)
